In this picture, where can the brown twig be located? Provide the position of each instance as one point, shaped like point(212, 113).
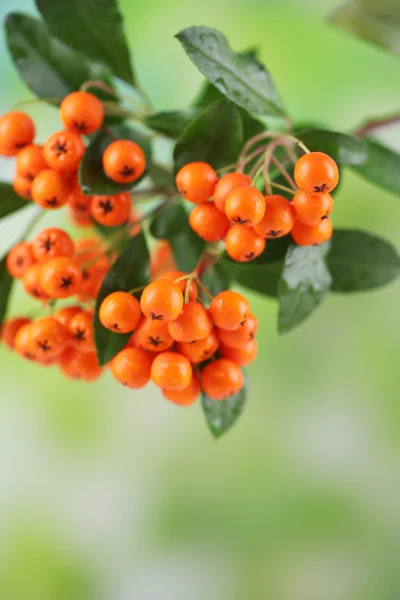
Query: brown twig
point(377, 123)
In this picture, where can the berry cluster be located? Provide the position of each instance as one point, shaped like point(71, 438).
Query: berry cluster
point(48, 174)
point(234, 210)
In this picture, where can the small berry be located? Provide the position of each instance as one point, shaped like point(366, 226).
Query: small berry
point(243, 243)
point(81, 331)
point(78, 201)
point(241, 356)
point(227, 184)
point(221, 378)
point(171, 371)
point(174, 275)
point(48, 337)
point(120, 312)
point(52, 243)
point(316, 172)
point(82, 112)
point(80, 365)
point(30, 161)
point(208, 222)
point(63, 151)
point(162, 300)
point(307, 236)
point(245, 206)
point(131, 367)
point(229, 310)
point(60, 277)
point(111, 211)
point(10, 329)
point(239, 337)
point(192, 324)
point(22, 187)
point(124, 161)
point(185, 397)
point(23, 342)
point(65, 315)
point(153, 335)
point(50, 190)
point(31, 283)
point(310, 209)
point(20, 259)
point(16, 131)
point(200, 350)
point(196, 182)
point(278, 219)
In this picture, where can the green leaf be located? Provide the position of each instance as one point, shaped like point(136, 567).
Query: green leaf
point(171, 223)
point(216, 279)
point(360, 261)
point(376, 22)
point(93, 180)
point(381, 167)
point(48, 67)
point(10, 201)
point(215, 136)
point(242, 79)
point(171, 123)
point(344, 149)
point(130, 270)
point(221, 415)
point(304, 283)
point(6, 282)
point(93, 27)
point(161, 175)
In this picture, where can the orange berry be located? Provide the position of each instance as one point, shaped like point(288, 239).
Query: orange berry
point(161, 259)
point(50, 190)
point(185, 397)
point(307, 236)
point(31, 283)
point(131, 367)
point(310, 209)
point(20, 259)
point(63, 151)
point(92, 279)
point(241, 356)
point(51, 243)
point(200, 350)
point(81, 331)
point(208, 222)
point(227, 184)
point(124, 161)
point(64, 315)
point(23, 342)
point(153, 335)
point(162, 300)
point(120, 312)
point(278, 219)
point(30, 161)
point(80, 365)
point(192, 324)
point(88, 248)
point(316, 172)
point(221, 378)
point(111, 210)
point(171, 371)
point(174, 275)
point(60, 277)
point(48, 337)
point(243, 244)
point(80, 218)
point(16, 131)
point(229, 310)
point(22, 187)
point(78, 201)
point(196, 182)
point(239, 337)
point(81, 112)
point(245, 206)
point(10, 329)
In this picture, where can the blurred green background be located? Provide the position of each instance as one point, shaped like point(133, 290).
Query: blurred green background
point(114, 494)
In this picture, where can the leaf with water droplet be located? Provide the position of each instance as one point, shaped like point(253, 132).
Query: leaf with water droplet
point(221, 415)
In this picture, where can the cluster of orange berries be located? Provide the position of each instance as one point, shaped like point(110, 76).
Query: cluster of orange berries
point(183, 347)
point(48, 174)
point(234, 210)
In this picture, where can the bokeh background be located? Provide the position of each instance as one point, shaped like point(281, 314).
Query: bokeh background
point(111, 494)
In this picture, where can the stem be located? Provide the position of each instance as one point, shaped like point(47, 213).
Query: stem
point(284, 172)
point(250, 157)
point(372, 124)
point(282, 187)
point(108, 132)
point(37, 101)
point(100, 85)
point(203, 288)
point(187, 289)
point(227, 168)
point(137, 289)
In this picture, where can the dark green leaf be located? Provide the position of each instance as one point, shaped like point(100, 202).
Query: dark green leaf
point(216, 279)
point(242, 79)
point(215, 136)
point(360, 261)
point(93, 180)
point(344, 149)
point(304, 283)
point(93, 27)
point(10, 201)
point(48, 67)
point(382, 167)
point(161, 176)
point(376, 22)
point(6, 282)
point(171, 123)
point(221, 415)
point(130, 270)
point(171, 223)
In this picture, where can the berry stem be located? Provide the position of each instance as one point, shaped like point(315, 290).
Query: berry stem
point(283, 187)
point(203, 288)
point(372, 124)
point(247, 159)
point(284, 172)
point(100, 85)
point(140, 288)
point(55, 101)
point(187, 289)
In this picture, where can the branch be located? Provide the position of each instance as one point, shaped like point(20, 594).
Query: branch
point(373, 124)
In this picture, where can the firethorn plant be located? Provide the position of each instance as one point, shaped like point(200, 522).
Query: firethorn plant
point(140, 282)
